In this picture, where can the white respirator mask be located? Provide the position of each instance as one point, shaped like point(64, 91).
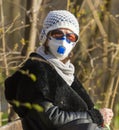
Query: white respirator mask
point(60, 48)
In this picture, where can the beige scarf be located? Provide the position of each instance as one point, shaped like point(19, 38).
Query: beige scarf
point(66, 71)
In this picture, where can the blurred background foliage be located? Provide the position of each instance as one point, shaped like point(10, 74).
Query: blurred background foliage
point(96, 56)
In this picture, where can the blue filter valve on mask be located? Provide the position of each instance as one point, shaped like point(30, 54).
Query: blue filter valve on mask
point(61, 50)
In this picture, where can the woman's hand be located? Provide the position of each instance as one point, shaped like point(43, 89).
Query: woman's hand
point(107, 115)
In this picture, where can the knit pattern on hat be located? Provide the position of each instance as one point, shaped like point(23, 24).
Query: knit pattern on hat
point(59, 19)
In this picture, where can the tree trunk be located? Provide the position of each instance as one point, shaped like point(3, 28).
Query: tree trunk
point(33, 30)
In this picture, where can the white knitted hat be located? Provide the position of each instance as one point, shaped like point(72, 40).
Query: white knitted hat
point(59, 19)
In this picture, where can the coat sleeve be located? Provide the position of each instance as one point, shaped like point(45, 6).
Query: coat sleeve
point(26, 83)
point(24, 86)
point(60, 117)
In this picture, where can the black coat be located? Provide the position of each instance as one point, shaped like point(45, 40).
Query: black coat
point(37, 82)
